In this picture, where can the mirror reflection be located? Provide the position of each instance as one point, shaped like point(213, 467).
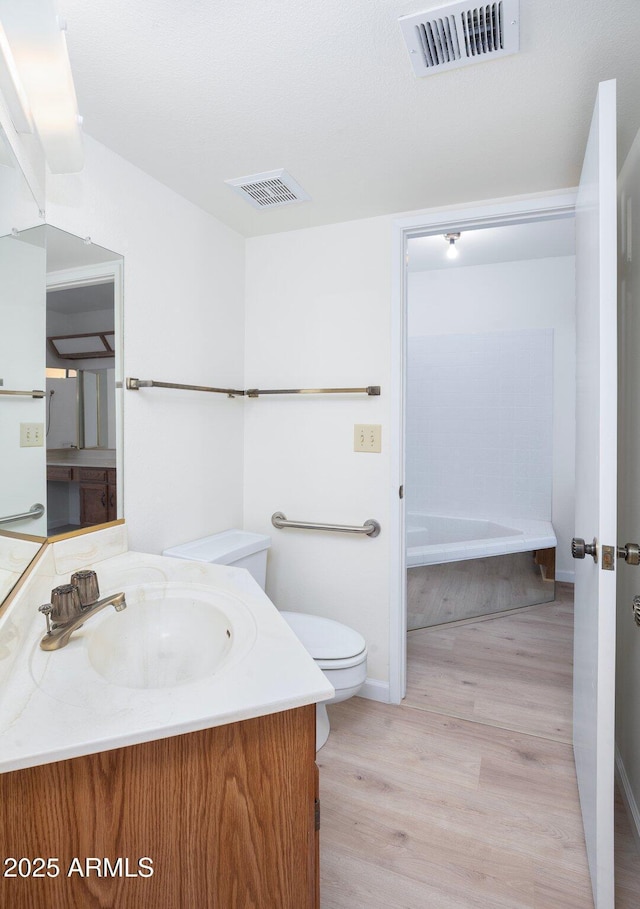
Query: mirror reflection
point(22, 287)
point(82, 362)
point(61, 318)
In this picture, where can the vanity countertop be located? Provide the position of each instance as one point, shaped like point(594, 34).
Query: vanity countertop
point(55, 706)
point(81, 457)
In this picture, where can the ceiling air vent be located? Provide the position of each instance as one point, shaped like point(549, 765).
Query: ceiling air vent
point(461, 33)
point(269, 190)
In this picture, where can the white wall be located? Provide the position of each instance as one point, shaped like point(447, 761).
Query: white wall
point(183, 322)
point(318, 315)
point(527, 295)
point(18, 209)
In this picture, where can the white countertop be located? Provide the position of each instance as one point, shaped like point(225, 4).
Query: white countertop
point(54, 705)
point(81, 457)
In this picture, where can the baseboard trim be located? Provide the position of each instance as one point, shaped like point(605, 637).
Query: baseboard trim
point(374, 690)
point(628, 798)
point(569, 577)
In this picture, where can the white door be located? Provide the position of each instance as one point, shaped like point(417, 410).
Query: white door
point(628, 633)
point(596, 480)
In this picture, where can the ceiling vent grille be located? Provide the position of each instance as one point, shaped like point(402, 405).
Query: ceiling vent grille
point(269, 190)
point(460, 34)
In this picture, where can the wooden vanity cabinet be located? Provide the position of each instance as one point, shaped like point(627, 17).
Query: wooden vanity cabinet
point(97, 489)
point(227, 816)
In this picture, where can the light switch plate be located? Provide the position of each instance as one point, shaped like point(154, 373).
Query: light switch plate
point(367, 437)
point(31, 435)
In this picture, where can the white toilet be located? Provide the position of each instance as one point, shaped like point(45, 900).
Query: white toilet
point(339, 651)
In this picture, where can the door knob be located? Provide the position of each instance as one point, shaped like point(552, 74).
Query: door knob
point(630, 553)
point(580, 549)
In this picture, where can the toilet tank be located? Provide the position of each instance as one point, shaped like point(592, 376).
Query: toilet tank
point(231, 547)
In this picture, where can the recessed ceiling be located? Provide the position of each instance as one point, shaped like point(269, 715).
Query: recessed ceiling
point(195, 93)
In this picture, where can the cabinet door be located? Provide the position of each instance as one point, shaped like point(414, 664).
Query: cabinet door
point(94, 503)
point(225, 815)
point(112, 496)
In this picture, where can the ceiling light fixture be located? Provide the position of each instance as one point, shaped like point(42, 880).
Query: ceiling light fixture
point(11, 88)
point(37, 83)
point(452, 251)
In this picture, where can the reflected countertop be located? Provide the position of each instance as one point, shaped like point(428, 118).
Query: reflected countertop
point(81, 457)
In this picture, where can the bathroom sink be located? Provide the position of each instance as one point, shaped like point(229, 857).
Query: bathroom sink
point(164, 638)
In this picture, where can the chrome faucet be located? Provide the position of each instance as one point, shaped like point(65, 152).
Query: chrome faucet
point(71, 605)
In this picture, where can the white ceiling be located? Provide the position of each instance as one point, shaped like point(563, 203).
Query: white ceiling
point(198, 92)
point(72, 300)
point(486, 246)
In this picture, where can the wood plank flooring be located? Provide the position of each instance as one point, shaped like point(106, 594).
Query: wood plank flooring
point(465, 796)
point(512, 671)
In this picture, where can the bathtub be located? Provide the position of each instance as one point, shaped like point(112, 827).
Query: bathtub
point(462, 568)
point(435, 539)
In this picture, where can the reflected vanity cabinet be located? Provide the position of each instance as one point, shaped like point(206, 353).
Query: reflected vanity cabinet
point(97, 489)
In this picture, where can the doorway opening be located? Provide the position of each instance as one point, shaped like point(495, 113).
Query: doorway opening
point(490, 406)
point(452, 324)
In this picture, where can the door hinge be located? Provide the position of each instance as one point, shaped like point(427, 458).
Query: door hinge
point(401, 492)
point(317, 814)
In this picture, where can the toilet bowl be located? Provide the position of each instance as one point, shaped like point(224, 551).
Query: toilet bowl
point(339, 651)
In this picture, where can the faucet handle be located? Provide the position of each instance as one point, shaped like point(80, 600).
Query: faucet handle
point(46, 610)
point(66, 604)
point(87, 583)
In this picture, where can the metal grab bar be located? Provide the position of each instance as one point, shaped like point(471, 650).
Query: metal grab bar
point(136, 384)
point(36, 511)
point(36, 393)
point(370, 528)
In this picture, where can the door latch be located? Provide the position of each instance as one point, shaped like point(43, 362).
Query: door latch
point(635, 605)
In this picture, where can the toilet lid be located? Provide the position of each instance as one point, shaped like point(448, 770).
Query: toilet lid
point(323, 638)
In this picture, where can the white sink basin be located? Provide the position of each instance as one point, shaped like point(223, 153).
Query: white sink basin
point(165, 638)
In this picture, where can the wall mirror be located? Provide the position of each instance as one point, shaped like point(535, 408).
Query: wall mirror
point(22, 288)
point(83, 386)
point(60, 338)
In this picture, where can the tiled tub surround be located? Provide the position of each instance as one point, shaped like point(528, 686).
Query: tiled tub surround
point(479, 473)
point(56, 706)
point(479, 424)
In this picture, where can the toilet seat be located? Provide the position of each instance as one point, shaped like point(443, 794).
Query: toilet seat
point(331, 644)
point(347, 663)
